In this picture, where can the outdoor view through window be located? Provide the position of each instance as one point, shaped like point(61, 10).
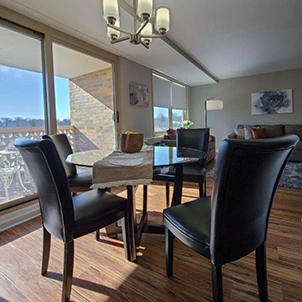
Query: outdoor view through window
point(84, 105)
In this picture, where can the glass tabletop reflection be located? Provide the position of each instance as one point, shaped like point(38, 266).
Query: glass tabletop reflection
point(162, 156)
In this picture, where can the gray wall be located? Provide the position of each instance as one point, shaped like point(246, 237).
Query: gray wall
point(134, 118)
point(236, 95)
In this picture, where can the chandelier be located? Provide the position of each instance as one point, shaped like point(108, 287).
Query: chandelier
point(144, 33)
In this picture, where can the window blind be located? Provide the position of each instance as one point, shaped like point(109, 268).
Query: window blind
point(161, 92)
point(179, 97)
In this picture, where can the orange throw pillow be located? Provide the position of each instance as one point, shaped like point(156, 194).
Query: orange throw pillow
point(258, 133)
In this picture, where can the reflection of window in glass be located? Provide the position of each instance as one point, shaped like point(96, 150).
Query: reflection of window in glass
point(178, 116)
point(161, 119)
point(22, 110)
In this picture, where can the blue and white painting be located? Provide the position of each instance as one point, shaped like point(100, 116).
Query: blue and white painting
point(272, 102)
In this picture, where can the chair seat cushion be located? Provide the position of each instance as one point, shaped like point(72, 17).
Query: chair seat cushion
point(191, 173)
point(94, 208)
point(194, 171)
point(192, 219)
point(83, 179)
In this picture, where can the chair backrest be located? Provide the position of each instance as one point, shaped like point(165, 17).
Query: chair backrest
point(47, 171)
point(246, 177)
point(193, 138)
point(64, 149)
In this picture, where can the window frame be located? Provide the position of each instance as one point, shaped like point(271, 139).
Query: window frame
point(48, 36)
point(186, 113)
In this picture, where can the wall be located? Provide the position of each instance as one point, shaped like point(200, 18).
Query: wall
point(134, 118)
point(236, 95)
point(91, 110)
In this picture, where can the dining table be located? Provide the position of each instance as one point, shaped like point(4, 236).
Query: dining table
point(164, 157)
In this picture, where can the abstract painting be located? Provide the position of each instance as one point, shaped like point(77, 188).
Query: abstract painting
point(139, 95)
point(272, 102)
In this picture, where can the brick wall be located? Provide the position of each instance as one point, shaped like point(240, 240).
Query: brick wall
point(91, 110)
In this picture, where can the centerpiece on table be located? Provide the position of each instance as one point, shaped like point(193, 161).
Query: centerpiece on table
point(132, 142)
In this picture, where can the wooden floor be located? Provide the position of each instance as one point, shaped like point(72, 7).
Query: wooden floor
point(102, 274)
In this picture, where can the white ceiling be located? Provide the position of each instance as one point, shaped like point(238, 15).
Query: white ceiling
point(231, 38)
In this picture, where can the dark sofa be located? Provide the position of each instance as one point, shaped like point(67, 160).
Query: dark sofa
point(277, 131)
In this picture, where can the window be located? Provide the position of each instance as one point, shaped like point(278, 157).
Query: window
point(170, 104)
point(84, 99)
point(83, 102)
point(22, 109)
point(161, 119)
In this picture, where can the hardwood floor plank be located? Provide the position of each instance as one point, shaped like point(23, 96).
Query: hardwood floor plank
point(102, 274)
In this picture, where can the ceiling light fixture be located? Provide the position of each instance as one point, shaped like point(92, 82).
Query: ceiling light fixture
point(142, 34)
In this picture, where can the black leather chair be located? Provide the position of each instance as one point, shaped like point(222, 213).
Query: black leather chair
point(195, 139)
point(78, 182)
point(234, 222)
point(67, 217)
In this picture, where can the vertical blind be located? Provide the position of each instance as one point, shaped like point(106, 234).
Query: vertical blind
point(168, 94)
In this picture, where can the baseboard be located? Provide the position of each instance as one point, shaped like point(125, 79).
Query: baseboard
point(18, 215)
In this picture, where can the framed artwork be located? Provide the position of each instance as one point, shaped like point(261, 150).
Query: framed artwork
point(139, 95)
point(272, 102)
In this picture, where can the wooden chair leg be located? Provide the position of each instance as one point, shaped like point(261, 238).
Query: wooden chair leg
point(205, 187)
point(127, 237)
point(97, 235)
point(217, 283)
point(262, 272)
point(167, 194)
point(145, 200)
point(68, 270)
point(45, 251)
point(201, 192)
point(169, 238)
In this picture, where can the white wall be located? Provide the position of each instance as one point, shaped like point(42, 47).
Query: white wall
point(236, 95)
point(134, 118)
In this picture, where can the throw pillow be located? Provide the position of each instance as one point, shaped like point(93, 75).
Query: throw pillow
point(258, 133)
point(248, 133)
point(239, 133)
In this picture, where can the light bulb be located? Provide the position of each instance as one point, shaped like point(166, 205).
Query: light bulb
point(162, 20)
point(145, 9)
point(111, 10)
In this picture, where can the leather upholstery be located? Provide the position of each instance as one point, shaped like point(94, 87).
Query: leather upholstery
point(64, 216)
point(192, 221)
point(83, 179)
point(246, 177)
point(47, 171)
point(273, 131)
point(64, 149)
point(76, 180)
point(93, 208)
point(195, 139)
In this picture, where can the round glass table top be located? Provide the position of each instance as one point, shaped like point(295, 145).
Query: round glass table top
point(162, 156)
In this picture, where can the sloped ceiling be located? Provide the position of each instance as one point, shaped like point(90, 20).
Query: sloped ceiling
point(231, 38)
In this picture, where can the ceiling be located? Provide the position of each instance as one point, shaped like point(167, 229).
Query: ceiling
point(231, 38)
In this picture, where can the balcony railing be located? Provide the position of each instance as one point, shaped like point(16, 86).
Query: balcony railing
point(15, 180)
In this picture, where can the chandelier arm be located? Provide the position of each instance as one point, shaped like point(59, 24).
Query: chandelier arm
point(124, 31)
point(120, 40)
point(143, 25)
point(152, 36)
point(144, 44)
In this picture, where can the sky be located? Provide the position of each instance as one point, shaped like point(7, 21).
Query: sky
point(21, 94)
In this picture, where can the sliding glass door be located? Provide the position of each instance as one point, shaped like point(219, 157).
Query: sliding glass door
point(22, 104)
point(84, 99)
